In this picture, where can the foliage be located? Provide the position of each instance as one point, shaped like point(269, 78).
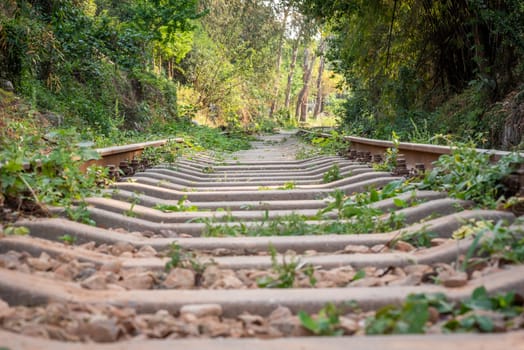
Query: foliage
point(408, 319)
point(333, 174)
point(286, 272)
point(15, 230)
point(470, 175)
point(326, 322)
point(47, 172)
point(68, 239)
point(179, 257)
point(356, 205)
point(493, 241)
point(297, 225)
point(421, 238)
point(390, 161)
point(403, 60)
point(179, 207)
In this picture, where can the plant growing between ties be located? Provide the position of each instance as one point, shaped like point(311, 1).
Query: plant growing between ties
point(286, 272)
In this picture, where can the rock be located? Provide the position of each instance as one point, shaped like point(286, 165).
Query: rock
point(179, 278)
point(43, 263)
point(88, 246)
point(54, 119)
point(228, 282)
point(284, 322)
point(403, 246)
point(349, 325)
point(121, 247)
point(453, 279)
point(356, 249)
point(65, 272)
point(366, 282)
point(139, 280)
point(212, 326)
point(5, 310)
point(101, 329)
point(410, 280)
point(6, 85)
point(9, 261)
point(211, 274)
point(85, 273)
point(146, 252)
point(201, 310)
point(112, 266)
point(417, 269)
point(95, 282)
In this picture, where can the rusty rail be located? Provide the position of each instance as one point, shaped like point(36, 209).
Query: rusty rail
point(413, 153)
point(117, 155)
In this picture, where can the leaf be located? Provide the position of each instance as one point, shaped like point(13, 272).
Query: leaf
point(308, 322)
point(359, 275)
point(400, 203)
point(485, 323)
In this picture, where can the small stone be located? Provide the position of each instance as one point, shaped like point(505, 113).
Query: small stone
point(367, 282)
point(85, 273)
point(95, 282)
point(140, 280)
point(6, 85)
point(179, 278)
point(417, 269)
point(211, 274)
point(434, 315)
point(453, 279)
point(349, 325)
point(403, 246)
point(43, 263)
point(410, 280)
point(356, 249)
point(112, 266)
point(9, 261)
point(88, 245)
point(228, 282)
point(168, 233)
point(65, 272)
point(101, 329)
point(5, 310)
point(202, 310)
point(121, 247)
point(146, 252)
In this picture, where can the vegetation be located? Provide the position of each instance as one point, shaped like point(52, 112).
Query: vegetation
point(285, 272)
point(470, 175)
point(427, 67)
point(413, 316)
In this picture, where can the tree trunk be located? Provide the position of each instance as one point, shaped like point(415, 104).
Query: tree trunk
point(279, 63)
point(301, 109)
point(291, 74)
point(321, 66)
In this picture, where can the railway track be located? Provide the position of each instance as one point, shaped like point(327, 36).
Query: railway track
point(253, 252)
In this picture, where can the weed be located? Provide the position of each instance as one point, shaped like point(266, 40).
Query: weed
point(285, 271)
point(470, 175)
point(68, 239)
point(333, 174)
point(16, 230)
point(185, 259)
point(291, 185)
point(179, 207)
point(326, 322)
point(418, 239)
